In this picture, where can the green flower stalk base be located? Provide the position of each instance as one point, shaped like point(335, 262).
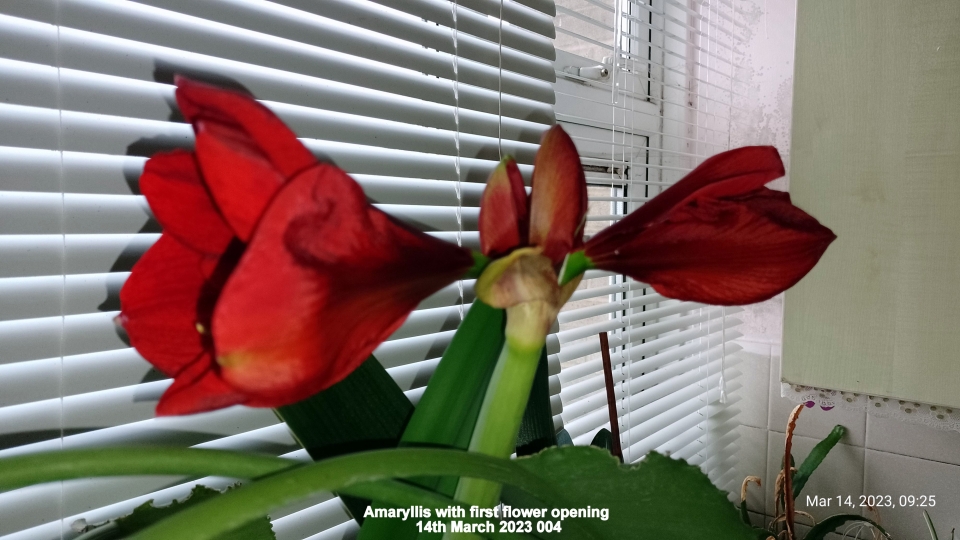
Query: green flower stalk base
point(500, 416)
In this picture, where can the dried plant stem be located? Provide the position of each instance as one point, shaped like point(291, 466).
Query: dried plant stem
point(746, 482)
point(788, 503)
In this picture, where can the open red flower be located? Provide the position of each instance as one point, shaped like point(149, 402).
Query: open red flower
point(249, 173)
point(326, 279)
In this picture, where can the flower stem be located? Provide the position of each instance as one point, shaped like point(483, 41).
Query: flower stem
point(575, 264)
point(480, 262)
point(496, 430)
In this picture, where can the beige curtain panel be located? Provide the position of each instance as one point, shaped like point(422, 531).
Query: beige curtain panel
point(876, 157)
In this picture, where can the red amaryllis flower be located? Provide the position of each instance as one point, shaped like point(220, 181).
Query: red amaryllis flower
point(717, 236)
point(297, 310)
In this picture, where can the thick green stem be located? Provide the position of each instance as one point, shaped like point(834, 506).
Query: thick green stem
point(500, 416)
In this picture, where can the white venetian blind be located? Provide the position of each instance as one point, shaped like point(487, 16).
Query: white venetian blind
point(417, 99)
point(646, 88)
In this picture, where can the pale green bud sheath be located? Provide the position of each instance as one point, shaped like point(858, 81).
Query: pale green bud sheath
point(526, 285)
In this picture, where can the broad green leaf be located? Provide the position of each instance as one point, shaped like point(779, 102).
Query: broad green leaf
point(832, 523)
point(536, 429)
point(603, 439)
point(448, 409)
point(17, 472)
point(336, 474)
point(147, 514)
point(655, 499)
point(815, 458)
point(365, 411)
point(659, 498)
point(410, 495)
point(21, 471)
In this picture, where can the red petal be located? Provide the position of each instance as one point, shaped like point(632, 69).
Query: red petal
point(171, 182)
point(325, 279)
point(730, 251)
point(240, 177)
point(558, 204)
point(728, 173)
point(249, 121)
point(162, 302)
point(503, 210)
point(198, 389)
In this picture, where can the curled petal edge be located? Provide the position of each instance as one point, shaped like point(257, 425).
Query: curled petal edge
point(729, 173)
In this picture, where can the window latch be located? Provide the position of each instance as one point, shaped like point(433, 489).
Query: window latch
point(596, 73)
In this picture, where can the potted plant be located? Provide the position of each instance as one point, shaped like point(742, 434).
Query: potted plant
point(275, 279)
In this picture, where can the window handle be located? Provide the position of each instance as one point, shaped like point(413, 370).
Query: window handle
point(595, 73)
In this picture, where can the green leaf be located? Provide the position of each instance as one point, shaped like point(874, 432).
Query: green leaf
point(832, 523)
point(448, 409)
point(660, 497)
point(21, 471)
point(536, 428)
point(365, 411)
point(336, 474)
point(815, 458)
point(603, 439)
point(564, 438)
point(930, 527)
point(414, 496)
point(147, 514)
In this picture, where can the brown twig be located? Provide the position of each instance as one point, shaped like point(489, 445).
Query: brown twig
point(611, 396)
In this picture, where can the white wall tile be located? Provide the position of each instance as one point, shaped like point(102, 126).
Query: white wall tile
point(915, 440)
point(752, 461)
point(896, 475)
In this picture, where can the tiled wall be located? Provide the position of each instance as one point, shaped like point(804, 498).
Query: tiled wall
point(877, 456)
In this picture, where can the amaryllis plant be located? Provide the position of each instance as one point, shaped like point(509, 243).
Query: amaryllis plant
point(275, 278)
